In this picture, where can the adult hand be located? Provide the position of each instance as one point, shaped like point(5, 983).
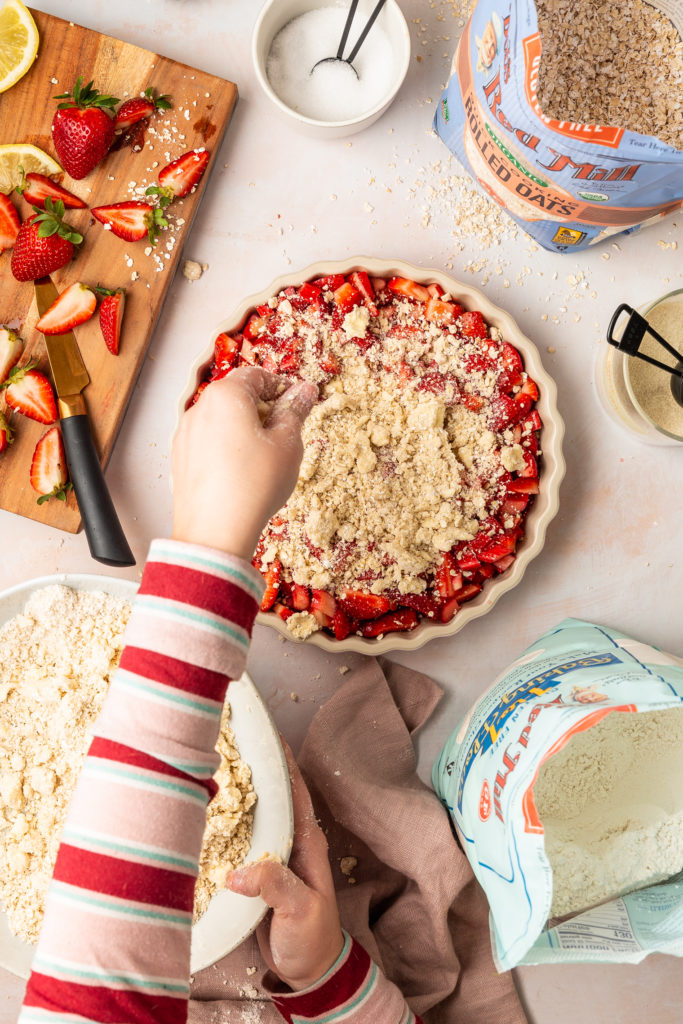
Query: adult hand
point(236, 458)
point(302, 937)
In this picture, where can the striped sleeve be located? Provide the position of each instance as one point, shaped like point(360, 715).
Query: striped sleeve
point(354, 991)
point(115, 942)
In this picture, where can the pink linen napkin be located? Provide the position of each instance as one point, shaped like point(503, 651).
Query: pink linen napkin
point(411, 898)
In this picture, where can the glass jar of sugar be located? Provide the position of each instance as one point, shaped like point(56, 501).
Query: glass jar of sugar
point(635, 394)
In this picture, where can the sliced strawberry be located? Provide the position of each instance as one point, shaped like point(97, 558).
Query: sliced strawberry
point(530, 388)
point(131, 220)
point(447, 576)
point(524, 485)
point(134, 109)
point(310, 292)
point(532, 422)
point(48, 467)
point(471, 401)
point(323, 620)
point(401, 621)
point(523, 403)
point(282, 610)
point(323, 602)
point(330, 363)
point(29, 392)
point(530, 466)
point(11, 347)
point(9, 223)
point(425, 604)
point(473, 325)
point(256, 326)
point(361, 605)
point(435, 290)
point(196, 396)
point(36, 188)
point(226, 350)
point(467, 560)
point(301, 597)
point(511, 358)
point(346, 297)
point(408, 289)
point(514, 504)
point(272, 577)
point(360, 280)
point(342, 624)
point(504, 563)
point(6, 433)
point(111, 316)
point(72, 307)
point(448, 609)
point(329, 283)
point(181, 175)
point(484, 572)
point(498, 548)
point(469, 591)
point(441, 313)
point(503, 412)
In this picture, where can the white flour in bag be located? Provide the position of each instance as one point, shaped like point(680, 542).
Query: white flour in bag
point(611, 803)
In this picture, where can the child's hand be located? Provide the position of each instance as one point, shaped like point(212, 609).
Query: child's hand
point(231, 472)
point(302, 938)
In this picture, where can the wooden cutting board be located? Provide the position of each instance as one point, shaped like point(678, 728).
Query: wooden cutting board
point(202, 106)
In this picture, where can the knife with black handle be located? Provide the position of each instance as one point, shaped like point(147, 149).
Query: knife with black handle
point(106, 539)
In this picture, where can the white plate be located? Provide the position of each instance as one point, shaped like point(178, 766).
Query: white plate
point(230, 917)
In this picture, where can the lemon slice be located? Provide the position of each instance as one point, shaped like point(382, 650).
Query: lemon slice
point(18, 42)
point(23, 154)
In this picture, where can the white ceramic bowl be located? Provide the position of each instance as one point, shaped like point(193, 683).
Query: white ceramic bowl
point(230, 918)
point(278, 13)
point(543, 508)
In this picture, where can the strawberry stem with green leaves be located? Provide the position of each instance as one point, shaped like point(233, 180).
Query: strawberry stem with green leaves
point(51, 222)
point(156, 221)
point(85, 96)
point(162, 102)
point(164, 195)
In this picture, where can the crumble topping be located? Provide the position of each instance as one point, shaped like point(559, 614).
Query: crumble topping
point(401, 456)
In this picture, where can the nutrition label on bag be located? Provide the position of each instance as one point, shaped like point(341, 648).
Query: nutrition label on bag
point(605, 929)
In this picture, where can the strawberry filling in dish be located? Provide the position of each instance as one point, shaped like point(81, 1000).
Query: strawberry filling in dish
point(421, 456)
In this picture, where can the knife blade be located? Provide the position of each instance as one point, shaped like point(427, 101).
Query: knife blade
point(105, 536)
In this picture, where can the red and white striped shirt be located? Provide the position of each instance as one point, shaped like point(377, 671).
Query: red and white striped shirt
point(115, 942)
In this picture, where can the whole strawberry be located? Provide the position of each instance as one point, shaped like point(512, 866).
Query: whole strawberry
point(83, 128)
point(44, 243)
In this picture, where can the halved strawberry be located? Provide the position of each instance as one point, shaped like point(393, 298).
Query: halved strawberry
point(524, 485)
point(131, 220)
point(473, 325)
point(48, 467)
point(342, 624)
point(9, 223)
point(72, 307)
point(111, 316)
point(323, 602)
point(346, 297)
point(11, 347)
point(29, 392)
point(36, 188)
point(301, 597)
point(134, 109)
point(447, 577)
point(360, 281)
point(179, 177)
point(408, 289)
point(6, 433)
point(272, 577)
point(442, 313)
point(361, 605)
point(401, 621)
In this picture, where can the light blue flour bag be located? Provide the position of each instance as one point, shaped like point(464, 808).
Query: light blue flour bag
point(567, 184)
point(559, 690)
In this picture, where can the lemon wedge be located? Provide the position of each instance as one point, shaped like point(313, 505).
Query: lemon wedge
point(22, 154)
point(18, 42)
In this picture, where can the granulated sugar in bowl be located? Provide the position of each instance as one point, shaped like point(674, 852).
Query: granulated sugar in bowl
point(331, 99)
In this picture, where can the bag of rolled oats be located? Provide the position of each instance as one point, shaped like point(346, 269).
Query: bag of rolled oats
point(569, 114)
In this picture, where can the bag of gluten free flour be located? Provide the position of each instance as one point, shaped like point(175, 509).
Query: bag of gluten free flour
point(526, 79)
point(565, 784)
